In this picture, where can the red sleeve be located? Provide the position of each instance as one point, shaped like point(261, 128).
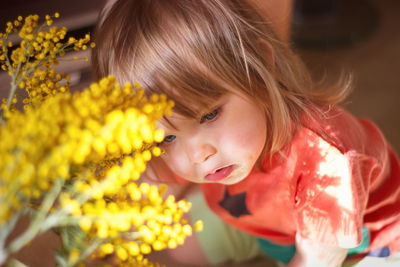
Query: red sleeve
point(332, 193)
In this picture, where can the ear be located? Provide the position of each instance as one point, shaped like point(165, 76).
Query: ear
point(268, 51)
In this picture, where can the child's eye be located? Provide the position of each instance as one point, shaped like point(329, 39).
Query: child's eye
point(210, 116)
point(169, 138)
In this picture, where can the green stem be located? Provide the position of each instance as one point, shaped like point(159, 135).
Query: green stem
point(4, 233)
point(37, 226)
point(83, 255)
point(15, 81)
point(60, 219)
point(14, 85)
point(8, 227)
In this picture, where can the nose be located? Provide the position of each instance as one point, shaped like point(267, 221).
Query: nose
point(200, 152)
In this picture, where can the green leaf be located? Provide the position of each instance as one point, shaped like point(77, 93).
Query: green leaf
point(61, 260)
point(72, 237)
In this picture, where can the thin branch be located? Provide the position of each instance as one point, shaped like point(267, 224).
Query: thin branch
point(88, 250)
point(37, 225)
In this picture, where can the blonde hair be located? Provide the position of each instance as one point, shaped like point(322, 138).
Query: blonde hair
point(194, 51)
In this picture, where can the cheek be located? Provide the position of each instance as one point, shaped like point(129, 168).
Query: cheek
point(176, 162)
point(246, 140)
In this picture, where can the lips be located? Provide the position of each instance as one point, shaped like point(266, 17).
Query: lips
point(219, 174)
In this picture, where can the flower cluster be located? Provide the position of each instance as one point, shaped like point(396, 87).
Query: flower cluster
point(73, 129)
point(72, 160)
point(31, 63)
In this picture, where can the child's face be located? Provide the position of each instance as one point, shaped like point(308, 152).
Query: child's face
point(220, 147)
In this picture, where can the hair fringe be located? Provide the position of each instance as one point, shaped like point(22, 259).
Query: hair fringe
point(195, 51)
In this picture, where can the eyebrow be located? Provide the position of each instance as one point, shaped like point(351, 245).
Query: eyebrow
point(170, 124)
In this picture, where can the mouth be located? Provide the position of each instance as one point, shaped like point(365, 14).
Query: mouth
point(220, 174)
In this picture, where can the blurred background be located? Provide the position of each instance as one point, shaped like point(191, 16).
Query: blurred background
point(366, 43)
point(360, 37)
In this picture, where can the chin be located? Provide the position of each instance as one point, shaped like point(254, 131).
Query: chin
point(236, 178)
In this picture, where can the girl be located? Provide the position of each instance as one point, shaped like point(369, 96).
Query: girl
point(276, 157)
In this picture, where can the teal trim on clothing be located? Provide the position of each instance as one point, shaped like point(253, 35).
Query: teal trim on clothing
point(366, 238)
point(277, 252)
point(285, 253)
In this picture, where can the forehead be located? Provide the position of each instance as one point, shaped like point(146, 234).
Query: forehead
point(193, 92)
